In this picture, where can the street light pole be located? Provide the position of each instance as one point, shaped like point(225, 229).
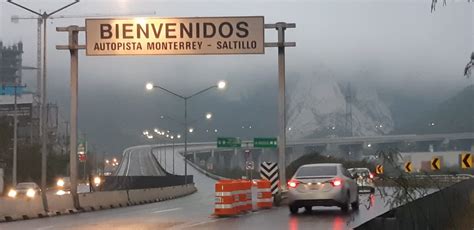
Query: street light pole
point(219, 85)
point(185, 140)
point(15, 137)
point(44, 129)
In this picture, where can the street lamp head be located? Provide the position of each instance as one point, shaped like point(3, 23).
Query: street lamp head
point(221, 84)
point(178, 136)
point(167, 135)
point(149, 86)
point(172, 137)
point(215, 130)
point(208, 116)
point(191, 130)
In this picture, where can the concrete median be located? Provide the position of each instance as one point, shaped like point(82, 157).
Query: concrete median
point(103, 200)
point(19, 208)
point(140, 196)
point(60, 204)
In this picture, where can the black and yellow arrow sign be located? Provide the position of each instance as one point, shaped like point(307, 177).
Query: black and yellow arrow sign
point(466, 160)
point(379, 169)
point(408, 167)
point(435, 164)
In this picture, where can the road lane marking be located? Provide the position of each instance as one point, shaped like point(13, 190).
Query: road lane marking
point(167, 210)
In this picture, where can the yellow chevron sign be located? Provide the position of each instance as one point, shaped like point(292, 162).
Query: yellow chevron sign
point(408, 167)
point(379, 169)
point(435, 163)
point(466, 160)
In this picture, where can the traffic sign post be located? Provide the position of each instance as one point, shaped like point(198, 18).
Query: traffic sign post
point(466, 160)
point(265, 142)
point(228, 142)
point(435, 163)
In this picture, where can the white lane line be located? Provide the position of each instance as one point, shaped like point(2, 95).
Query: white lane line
point(201, 223)
point(167, 210)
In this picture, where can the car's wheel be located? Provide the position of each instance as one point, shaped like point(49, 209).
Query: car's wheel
point(293, 209)
point(345, 205)
point(308, 208)
point(355, 205)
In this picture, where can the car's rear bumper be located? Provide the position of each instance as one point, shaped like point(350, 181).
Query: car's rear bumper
point(335, 197)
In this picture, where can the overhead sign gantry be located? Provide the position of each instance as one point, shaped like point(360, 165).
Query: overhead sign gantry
point(176, 36)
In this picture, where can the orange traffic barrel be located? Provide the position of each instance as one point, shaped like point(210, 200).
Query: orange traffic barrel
point(225, 200)
point(264, 194)
point(248, 195)
point(240, 195)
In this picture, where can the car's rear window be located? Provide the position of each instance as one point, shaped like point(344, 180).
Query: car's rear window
point(318, 171)
point(360, 172)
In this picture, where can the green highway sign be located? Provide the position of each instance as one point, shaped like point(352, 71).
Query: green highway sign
point(265, 142)
point(228, 142)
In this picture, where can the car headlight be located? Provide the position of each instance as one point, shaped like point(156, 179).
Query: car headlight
point(97, 181)
point(60, 183)
point(30, 193)
point(12, 193)
point(60, 192)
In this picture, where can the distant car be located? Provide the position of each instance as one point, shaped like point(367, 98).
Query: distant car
point(25, 189)
point(63, 186)
point(364, 179)
point(322, 185)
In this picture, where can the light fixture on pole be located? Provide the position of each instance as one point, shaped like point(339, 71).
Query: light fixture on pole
point(220, 85)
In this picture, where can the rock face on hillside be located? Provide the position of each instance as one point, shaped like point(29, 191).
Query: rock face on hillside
point(319, 106)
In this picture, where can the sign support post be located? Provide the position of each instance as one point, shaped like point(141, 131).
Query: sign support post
point(73, 48)
point(281, 44)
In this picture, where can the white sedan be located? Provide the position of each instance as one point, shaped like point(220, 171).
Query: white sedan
point(322, 185)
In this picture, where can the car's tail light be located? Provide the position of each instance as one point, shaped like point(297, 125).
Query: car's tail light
point(371, 176)
point(293, 183)
point(336, 182)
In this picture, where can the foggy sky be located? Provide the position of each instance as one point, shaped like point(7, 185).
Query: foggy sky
point(386, 43)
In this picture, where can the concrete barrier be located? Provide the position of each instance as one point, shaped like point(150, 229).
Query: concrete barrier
point(141, 196)
point(103, 200)
point(16, 209)
point(19, 208)
point(60, 204)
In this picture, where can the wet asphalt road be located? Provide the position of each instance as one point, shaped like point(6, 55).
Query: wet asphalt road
point(195, 211)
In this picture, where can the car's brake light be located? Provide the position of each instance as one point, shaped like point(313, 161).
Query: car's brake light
point(336, 182)
point(371, 176)
point(293, 183)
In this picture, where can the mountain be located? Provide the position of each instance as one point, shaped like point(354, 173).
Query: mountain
point(320, 106)
point(456, 114)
